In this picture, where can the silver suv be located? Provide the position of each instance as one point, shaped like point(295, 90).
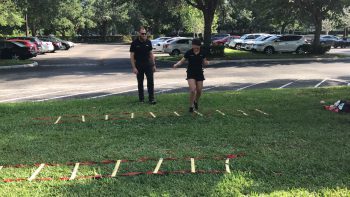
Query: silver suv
point(285, 43)
point(237, 43)
point(178, 46)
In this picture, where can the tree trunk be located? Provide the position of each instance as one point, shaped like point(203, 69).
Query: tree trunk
point(318, 30)
point(208, 22)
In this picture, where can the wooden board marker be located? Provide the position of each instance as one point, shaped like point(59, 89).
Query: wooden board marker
point(227, 165)
point(177, 114)
point(243, 112)
point(83, 118)
point(58, 119)
point(220, 112)
point(199, 114)
point(261, 112)
point(116, 169)
point(1, 167)
point(193, 167)
point(106, 117)
point(158, 166)
point(75, 171)
point(152, 114)
point(132, 115)
point(37, 171)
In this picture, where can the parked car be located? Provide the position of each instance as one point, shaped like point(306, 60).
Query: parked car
point(224, 40)
point(27, 43)
point(230, 39)
point(48, 47)
point(219, 36)
point(248, 44)
point(15, 50)
point(66, 45)
point(169, 41)
point(333, 41)
point(285, 43)
point(237, 43)
point(157, 43)
point(35, 40)
point(178, 46)
point(57, 44)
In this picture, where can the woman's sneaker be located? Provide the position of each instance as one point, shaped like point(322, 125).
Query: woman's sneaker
point(195, 105)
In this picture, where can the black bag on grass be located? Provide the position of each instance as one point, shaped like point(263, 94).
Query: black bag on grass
point(343, 106)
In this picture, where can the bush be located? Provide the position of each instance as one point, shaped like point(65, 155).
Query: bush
point(317, 50)
point(217, 51)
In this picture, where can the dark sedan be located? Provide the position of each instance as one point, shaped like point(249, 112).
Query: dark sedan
point(15, 50)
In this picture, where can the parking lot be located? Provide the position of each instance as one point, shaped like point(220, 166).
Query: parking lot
point(92, 71)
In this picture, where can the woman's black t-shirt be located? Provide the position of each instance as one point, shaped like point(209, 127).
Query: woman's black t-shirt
point(195, 62)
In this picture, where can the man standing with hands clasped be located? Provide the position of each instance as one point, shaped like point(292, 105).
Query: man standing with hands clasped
point(143, 63)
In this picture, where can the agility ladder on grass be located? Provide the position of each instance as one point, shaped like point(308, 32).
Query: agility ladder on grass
point(117, 166)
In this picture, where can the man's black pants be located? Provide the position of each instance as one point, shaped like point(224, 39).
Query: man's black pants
point(148, 71)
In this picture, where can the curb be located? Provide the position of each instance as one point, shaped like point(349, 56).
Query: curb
point(213, 62)
point(34, 64)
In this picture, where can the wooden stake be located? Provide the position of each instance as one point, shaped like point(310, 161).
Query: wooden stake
point(176, 114)
point(75, 171)
point(116, 168)
point(83, 118)
point(198, 113)
point(132, 115)
point(261, 112)
point(220, 112)
point(243, 112)
point(227, 165)
point(37, 171)
point(1, 167)
point(106, 117)
point(152, 114)
point(193, 167)
point(158, 166)
point(58, 119)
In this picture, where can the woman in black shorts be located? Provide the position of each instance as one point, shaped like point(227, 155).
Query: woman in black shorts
point(196, 58)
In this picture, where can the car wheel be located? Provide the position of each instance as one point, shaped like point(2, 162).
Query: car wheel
point(175, 52)
point(269, 50)
point(300, 50)
point(15, 56)
point(238, 46)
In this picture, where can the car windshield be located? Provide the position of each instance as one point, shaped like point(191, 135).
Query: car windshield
point(244, 36)
point(272, 38)
point(19, 44)
point(262, 38)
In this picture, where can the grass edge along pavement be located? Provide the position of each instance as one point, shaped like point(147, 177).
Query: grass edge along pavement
point(298, 149)
point(5, 62)
point(231, 54)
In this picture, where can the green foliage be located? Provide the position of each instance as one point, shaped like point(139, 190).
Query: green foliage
point(10, 15)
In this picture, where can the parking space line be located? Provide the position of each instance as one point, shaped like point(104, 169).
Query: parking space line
point(111, 94)
point(318, 85)
point(288, 84)
point(206, 89)
point(32, 96)
point(71, 95)
point(251, 85)
point(339, 80)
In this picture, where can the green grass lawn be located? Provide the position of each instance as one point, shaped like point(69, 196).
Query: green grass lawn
point(298, 150)
point(231, 54)
point(4, 62)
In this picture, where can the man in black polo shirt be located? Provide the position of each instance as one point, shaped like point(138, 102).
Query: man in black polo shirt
point(143, 63)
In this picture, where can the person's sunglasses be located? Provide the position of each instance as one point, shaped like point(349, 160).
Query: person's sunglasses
point(143, 34)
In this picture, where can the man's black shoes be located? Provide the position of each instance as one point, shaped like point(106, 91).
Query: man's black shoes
point(152, 102)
